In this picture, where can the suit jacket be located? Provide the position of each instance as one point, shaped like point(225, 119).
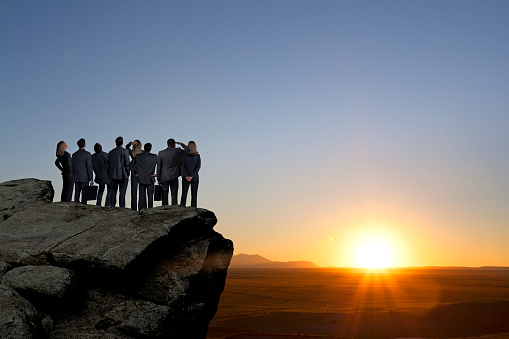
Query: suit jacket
point(169, 162)
point(100, 165)
point(64, 164)
point(146, 166)
point(191, 165)
point(82, 166)
point(118, 160)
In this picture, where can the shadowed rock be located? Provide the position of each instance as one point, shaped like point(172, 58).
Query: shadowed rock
point(155, 273)
point(18, 317)
point(45, 284)
point(17, 194)
point(4, 267)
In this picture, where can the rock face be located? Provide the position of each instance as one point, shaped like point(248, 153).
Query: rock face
point(16, 194)
point(107, 272)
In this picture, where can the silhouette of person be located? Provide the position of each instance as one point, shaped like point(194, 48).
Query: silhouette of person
point(146, 166)
point(132, 167)
point(191, 164)
point(100, 166)
point(169, 162)
point(64, 164)
point(83, 172)
point(118, 160)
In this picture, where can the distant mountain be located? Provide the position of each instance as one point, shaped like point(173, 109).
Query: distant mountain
point(257, 261)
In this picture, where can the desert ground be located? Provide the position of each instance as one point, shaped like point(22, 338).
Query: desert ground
point(356, 303)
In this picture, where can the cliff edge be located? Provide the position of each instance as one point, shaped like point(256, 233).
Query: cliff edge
point(69, 270)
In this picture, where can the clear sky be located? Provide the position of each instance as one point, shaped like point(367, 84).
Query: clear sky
point(321, 124)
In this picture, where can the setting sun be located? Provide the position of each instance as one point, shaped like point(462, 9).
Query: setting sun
point(374, 254)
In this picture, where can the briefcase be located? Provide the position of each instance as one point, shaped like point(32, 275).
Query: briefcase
point(90, 192)
point(158, 193)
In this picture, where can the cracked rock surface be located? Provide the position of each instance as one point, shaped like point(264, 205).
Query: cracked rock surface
point(110, 272)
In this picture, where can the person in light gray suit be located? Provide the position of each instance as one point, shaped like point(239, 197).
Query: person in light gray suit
point(146, 169)
point(118, 160)
point(102, 177)
point(82, 171)
point(169, 162)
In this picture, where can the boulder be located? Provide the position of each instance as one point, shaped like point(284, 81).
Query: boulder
point(43, 284)
point(4, 267)
point(18, 317)
point(17, 194)
point(155, 273)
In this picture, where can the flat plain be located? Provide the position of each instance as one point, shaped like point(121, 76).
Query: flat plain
point(358, 303)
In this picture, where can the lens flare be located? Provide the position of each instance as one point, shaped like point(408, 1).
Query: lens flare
point(374, 254)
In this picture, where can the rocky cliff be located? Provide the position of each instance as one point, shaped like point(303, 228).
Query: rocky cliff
point(69, 270)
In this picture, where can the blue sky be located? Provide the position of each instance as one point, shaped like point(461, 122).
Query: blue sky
point(318, 122)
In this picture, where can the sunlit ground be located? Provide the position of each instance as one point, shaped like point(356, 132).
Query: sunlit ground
point(365, 302)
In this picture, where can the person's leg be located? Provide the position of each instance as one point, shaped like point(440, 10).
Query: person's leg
point(194, 192)
point(109, 194)
point(164, 192)
point(68, 183)
point(142, 203)
point(77, 190)
point(83, 195)
point(134, 191)
point(115, 183)
point(100, 194)
point(123, 190)
point(185, 188)
point(174, 187)
point(150, 193)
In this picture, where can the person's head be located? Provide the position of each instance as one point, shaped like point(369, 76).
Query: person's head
point(148, 147)
point(171, 142)
point(81, 143)
point(136, 148)
point(119, 141)
point(61, 147)
point(192, 148)
point(98, 148)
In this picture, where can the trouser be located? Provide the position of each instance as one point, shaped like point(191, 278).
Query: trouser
point(194, 191)
point(78, 188)
point(170, 185)
point(121, 186)
point(67, 185)
point(100, 194)
point(109, 195)
point(146, 189)
point(134, 191)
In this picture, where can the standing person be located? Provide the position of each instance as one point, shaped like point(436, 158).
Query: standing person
point(133, 168)
point(169, 162)
point(64, 164)
point(100, 166)
point(146, 166)
point(83, 173)
point(118, 160)
point(191, 164)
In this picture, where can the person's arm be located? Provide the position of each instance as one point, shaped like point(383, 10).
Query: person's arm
point(159, 168)
point(90, 169)
point(128, 148)
point(57, 163)
point(186, 149)
point(198, 165)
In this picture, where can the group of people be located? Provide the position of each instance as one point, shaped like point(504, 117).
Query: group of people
point(112, 171)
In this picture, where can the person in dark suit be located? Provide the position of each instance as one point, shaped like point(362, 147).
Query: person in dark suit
point(169, 162)
point(132, 168)
point(191, 164)
point(146, 169)
point(118, 160)
point(100, 166)
point(64, 164)
point(83, 173)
